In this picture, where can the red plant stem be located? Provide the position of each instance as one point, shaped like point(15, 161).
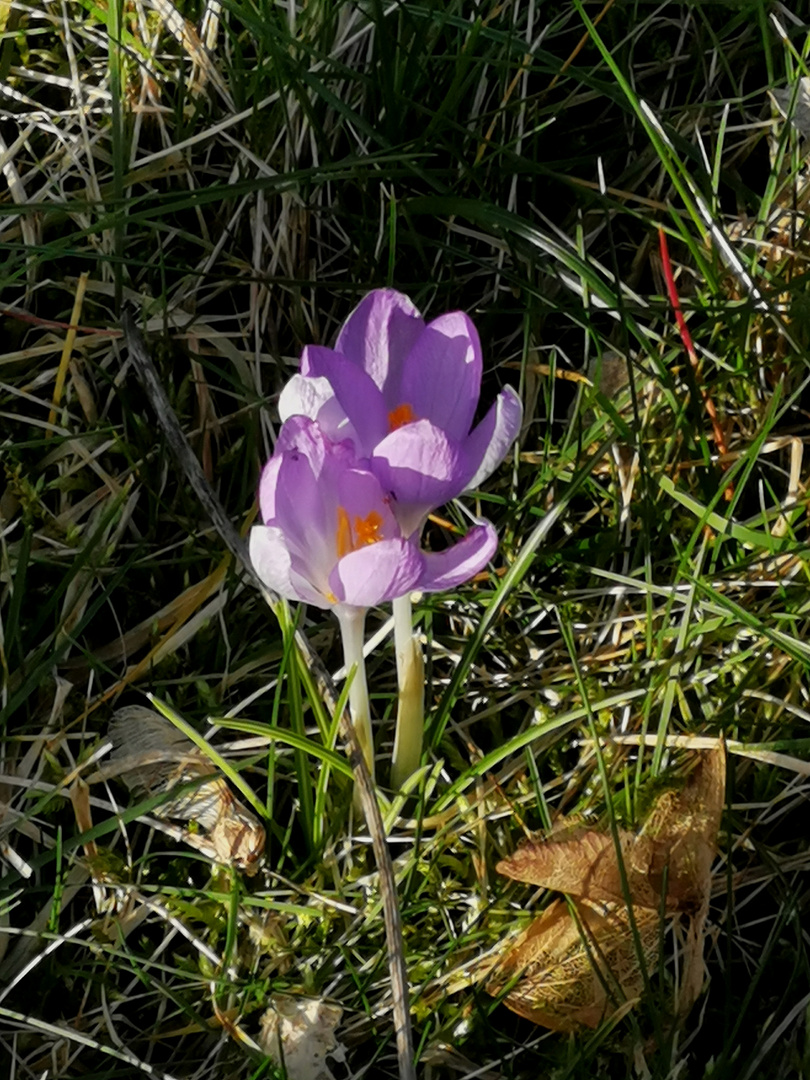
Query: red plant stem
point(686, 338)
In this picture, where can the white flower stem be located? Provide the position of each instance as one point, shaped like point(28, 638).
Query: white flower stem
point(352, 630)
point(411, 706)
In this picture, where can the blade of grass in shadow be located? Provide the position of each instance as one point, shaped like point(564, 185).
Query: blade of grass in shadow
point(674, 668)
point(114, 21)
point(320, 829)
point(494, 218)
point(295, 705)
point(688, 191)
point(517, 743)
point(41, 664)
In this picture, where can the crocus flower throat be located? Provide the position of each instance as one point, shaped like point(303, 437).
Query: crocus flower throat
point(351, 536)
point(400, 416)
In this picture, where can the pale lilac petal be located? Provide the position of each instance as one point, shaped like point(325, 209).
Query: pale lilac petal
point(298, 501)
point(299, 494)
point(314, 398)
point(289, 493)
point(376, 573)
point(379, 334)
point(441, 380)
point(446, 569)
point(360, 410)
point(267, 488)
point(489, 443)
point(307, 515)
point(301, 436)
point(421, 468)
point(271, 561)
point(303, 396)
point(313, 359)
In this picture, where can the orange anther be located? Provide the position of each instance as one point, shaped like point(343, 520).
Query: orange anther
point(367, 529)
point(401, 415)
point(344, 533)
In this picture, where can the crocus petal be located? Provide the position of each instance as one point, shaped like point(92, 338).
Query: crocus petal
point(377, 573)
point(421, 468)
point(361, 412)
point(489, 443)
point(441, 379)
point(289, 493)
point(446, 569)
point(301, 436)
point(267, 488)
point(316, 399)
point(304, 397)
point(300, 494)
point(296, 502)
point(379, 334)
point(271, 561)
point(313, 359)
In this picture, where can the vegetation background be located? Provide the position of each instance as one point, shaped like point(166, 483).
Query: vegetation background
point(240, 173)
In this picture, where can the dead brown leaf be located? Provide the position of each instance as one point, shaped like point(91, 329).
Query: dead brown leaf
point(584, 864)
point(572, 972)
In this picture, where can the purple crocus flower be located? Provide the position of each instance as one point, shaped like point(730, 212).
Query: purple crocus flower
point(330, 537)
point(405, 393)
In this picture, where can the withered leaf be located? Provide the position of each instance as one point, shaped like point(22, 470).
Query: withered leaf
point(683, 827)
point(564, 970)
point(573, 973)
point(299, 1034)
point(674, 850)
point(585, 865)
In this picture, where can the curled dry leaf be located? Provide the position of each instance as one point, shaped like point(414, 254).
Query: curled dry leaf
point(683, 827)
point(574, 972)
point(152, 757)
point(582, 862)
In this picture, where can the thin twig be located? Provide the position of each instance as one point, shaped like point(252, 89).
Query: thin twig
point(236, 545)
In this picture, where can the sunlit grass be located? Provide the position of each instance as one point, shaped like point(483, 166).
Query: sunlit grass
point(240, 176)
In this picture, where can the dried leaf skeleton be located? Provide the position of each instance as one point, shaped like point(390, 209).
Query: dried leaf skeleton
point(152, 757)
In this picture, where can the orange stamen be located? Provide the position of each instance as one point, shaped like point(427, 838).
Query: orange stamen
point(367, 529)
point(352, 535)
point(344, 534)
point(401, 415)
